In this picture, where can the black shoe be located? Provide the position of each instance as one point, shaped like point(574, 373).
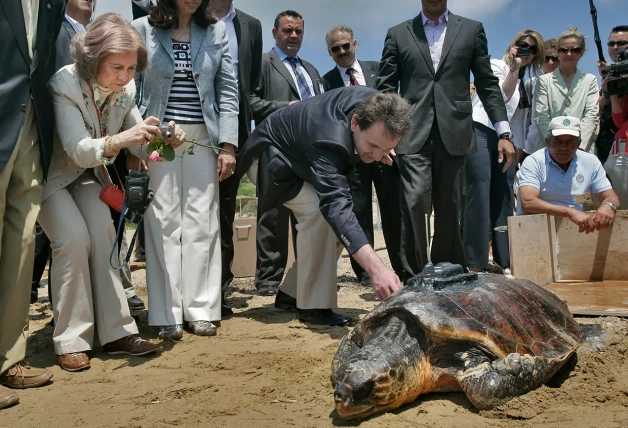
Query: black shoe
point(135, 304)
point(283, 301)
point(322, 317)
point(225, 311)
point(366, 280)
point(268, 290)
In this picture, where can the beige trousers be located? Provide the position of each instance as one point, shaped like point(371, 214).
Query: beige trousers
point(20, 196)
point(312, 280)
point(86, 291)
point(182, 231)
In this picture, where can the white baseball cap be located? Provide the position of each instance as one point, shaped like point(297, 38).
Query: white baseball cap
point(565, 125)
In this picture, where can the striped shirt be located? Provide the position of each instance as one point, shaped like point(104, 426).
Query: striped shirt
point(184, 102)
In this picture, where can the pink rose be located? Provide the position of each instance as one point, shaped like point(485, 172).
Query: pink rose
point(154, 156)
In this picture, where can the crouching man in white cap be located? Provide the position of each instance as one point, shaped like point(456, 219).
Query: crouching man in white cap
point(552, 179)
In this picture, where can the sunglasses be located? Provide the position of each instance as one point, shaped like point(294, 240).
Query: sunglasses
point(345, 47)
point(619, 43)
point(575, 51)
point(549, 58)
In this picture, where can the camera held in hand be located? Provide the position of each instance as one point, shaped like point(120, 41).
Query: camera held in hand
point(617, 83)
point(523, 50)
point(138, 195)
point(166, 132)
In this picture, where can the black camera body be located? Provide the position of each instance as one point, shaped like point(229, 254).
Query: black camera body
point(138, 195)
point(617, 83)
point(523, 50)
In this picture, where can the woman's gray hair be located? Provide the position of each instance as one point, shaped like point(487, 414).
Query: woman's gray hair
point(391, 109)
point(108, 34)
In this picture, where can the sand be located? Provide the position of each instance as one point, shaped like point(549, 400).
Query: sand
point(265, 369)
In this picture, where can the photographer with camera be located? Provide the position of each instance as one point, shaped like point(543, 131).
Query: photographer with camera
point(568, 91)
point(489, 200)
point(95, 119)
point(615, 92)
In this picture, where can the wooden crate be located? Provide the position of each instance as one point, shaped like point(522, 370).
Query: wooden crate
point(588, 271)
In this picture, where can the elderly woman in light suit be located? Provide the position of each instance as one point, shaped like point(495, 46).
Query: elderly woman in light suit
point(95, 118)
point(189, 79)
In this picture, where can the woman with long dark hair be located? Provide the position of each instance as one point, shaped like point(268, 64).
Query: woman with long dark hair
point(189, 79)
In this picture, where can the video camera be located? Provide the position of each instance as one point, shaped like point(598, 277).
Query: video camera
point(138, 195)
point(617, 83)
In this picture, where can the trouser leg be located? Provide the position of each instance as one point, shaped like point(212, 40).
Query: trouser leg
point(476, 225)
point(387, 187)
point(228, 191)
point(20, 198)
point(272, 245)
point(362, 194)
point(42, 254)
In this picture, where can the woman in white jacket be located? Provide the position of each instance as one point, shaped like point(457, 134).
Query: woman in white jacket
point(489, 197)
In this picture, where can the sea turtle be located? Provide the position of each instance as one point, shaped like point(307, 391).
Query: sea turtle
point(488, 335)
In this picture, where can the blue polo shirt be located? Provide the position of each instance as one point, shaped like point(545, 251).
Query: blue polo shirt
point(584, 175)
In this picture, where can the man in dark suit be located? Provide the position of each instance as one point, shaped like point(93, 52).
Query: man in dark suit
point(285, 79)
point(341, 46)
point(306, 151)
point(429, 59)
point(27, 119)
point(245, 46)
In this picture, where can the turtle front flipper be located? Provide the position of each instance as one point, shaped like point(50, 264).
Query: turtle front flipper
point(489, 385)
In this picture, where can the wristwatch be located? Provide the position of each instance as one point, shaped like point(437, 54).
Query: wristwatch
point(506, 136)
point(612, 205)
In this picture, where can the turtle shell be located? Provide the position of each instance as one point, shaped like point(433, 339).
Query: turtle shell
point(504, 315)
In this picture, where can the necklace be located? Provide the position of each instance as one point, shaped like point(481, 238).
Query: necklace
point(181, 34)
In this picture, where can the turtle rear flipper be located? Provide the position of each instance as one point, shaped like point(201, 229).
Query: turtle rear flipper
point(594, 336)
point(492, 384)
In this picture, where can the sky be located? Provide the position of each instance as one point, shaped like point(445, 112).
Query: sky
point(370, 19)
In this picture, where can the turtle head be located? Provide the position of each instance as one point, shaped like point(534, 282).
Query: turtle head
point(376, 376)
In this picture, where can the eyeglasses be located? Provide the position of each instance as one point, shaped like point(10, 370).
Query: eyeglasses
point(549, 58)
point(345, 47)
point(618, 43)
point(575, 51)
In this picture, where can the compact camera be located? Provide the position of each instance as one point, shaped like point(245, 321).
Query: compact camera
point(523, 49)
point(165, 131)
point(138, 195)
point(617, 83)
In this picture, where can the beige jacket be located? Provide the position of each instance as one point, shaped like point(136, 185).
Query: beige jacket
point(78, 141)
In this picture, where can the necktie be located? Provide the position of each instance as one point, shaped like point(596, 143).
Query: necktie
point(304, 89)
point(352, 80)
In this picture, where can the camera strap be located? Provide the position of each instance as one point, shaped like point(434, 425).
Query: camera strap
point(119, 232)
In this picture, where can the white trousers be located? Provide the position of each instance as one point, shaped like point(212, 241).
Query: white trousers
point(182, 236)
point(86, 290)
point(312, 280)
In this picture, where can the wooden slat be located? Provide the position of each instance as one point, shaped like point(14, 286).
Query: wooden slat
point(598, 256)
point(608, 298)
point(531, 255)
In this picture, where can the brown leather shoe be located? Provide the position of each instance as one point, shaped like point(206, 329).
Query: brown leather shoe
point(8, 397)
point(133, 345)
point(74, 361)
point(22, 376)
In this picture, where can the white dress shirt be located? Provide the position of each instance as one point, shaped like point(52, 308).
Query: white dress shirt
point(284, 58)
point(358, 74)
point(233, 40)
point(30, 9)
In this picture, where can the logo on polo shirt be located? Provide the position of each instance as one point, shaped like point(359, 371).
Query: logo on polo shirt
point(579, 177)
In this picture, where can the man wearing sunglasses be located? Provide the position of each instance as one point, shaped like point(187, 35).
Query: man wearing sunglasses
point(617, 42)
point(349, 71)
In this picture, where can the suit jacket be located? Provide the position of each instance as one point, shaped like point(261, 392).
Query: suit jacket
point(333, 80)
point(310, 141)
point(441, 95)
point(276, 86)
point(213, 73)
point(78, 141)
point(62, 45)
point(249, 34)
point(552, 98)
point(21, 76)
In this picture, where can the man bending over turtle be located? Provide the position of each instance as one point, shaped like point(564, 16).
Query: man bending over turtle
point(552, 179)
point(302, 156)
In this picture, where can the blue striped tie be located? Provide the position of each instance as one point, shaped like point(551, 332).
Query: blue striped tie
point(304, 89)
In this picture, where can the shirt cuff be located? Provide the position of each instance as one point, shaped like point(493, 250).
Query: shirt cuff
point(101, 157)
point(501, 127)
